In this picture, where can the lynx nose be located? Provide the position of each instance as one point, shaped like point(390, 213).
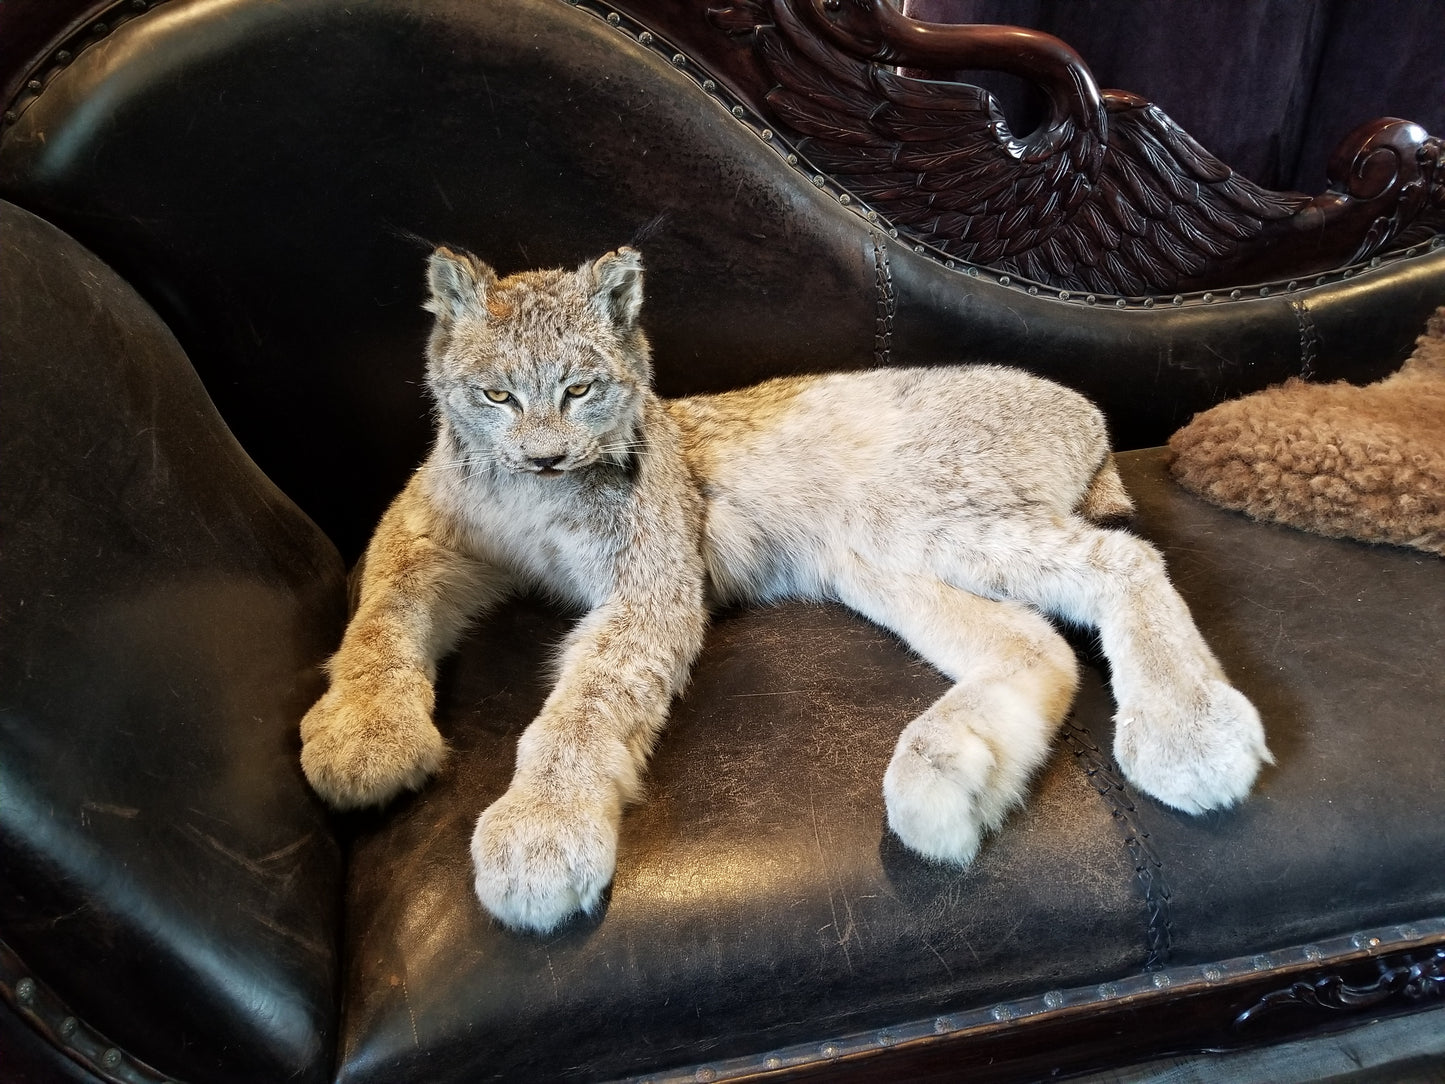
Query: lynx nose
point(545, 462)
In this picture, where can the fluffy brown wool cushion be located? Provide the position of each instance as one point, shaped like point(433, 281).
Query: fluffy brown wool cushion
point(1336, 459)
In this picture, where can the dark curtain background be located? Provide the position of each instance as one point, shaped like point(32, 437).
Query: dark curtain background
point(1268, 86)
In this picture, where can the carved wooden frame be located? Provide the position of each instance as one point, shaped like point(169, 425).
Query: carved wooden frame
point(1107, 196)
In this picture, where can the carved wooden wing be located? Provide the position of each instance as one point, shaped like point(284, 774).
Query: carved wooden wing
point(1107, 195)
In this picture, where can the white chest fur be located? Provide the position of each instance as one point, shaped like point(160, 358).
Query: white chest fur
point(559, 534)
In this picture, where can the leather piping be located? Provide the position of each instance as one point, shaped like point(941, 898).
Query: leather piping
point(43, 1010)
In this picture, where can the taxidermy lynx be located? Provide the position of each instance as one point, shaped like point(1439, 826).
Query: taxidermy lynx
point(951, 505)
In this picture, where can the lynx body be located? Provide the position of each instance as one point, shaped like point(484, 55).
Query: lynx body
point(953, 505)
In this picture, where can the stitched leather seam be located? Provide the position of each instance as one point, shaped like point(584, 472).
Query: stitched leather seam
point(1309, 338)
point(1148, 868)
point(887, 303)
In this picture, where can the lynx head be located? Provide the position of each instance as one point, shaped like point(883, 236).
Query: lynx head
point(541, 372)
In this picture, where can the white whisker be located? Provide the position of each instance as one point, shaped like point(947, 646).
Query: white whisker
point(467, 461)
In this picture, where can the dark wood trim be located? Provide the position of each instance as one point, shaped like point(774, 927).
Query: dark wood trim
point(1108, 196)
point(1236, 1004)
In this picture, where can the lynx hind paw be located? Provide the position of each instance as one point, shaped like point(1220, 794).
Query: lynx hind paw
point(361, 751)
point(943, 789)
point(538, 863)
point(1198, 755)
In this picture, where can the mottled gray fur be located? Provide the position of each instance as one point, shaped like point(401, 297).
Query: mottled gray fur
point(953, 505)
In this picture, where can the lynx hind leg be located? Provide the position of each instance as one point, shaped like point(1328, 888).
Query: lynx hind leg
point(1183, 734)
point(1106, 500)
point(1197, 753)
point(961, 766)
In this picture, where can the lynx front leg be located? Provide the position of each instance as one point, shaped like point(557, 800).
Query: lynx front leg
point(964, 763)
point(547, 848)
point(371, 735)
point(1183, 733)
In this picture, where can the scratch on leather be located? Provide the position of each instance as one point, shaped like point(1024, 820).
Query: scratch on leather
point(400, 981)
point(260, 867)
point(843, 933)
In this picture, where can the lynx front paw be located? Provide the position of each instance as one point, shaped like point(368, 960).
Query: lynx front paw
point(538, 862)
point(1199, 753)
point(943, 789)
point(362, 748)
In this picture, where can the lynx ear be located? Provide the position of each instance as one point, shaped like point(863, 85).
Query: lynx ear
point(459, 283)
point(617, 286)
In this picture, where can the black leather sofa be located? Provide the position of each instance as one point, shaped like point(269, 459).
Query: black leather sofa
point(214, 227)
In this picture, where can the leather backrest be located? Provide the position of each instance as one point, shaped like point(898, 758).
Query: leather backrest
point(270, 176)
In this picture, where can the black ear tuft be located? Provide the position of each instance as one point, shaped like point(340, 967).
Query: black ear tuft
point(616, 281)
point(458, 283)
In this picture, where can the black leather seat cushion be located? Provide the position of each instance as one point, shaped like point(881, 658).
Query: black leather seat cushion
point(761, 902)
point(166, 870)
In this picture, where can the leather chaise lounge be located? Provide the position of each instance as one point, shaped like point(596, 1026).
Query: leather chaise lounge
point(215, 218)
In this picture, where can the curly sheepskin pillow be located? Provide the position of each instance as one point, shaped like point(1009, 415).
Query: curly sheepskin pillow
point(1336, 459)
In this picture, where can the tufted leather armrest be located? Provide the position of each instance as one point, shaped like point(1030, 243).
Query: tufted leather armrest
point(168, 877)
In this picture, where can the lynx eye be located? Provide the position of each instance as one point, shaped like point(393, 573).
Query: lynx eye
point(576, 391)
point(496, 395)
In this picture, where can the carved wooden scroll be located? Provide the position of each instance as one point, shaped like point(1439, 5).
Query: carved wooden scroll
point(1107, 195)
point(1412, 979)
